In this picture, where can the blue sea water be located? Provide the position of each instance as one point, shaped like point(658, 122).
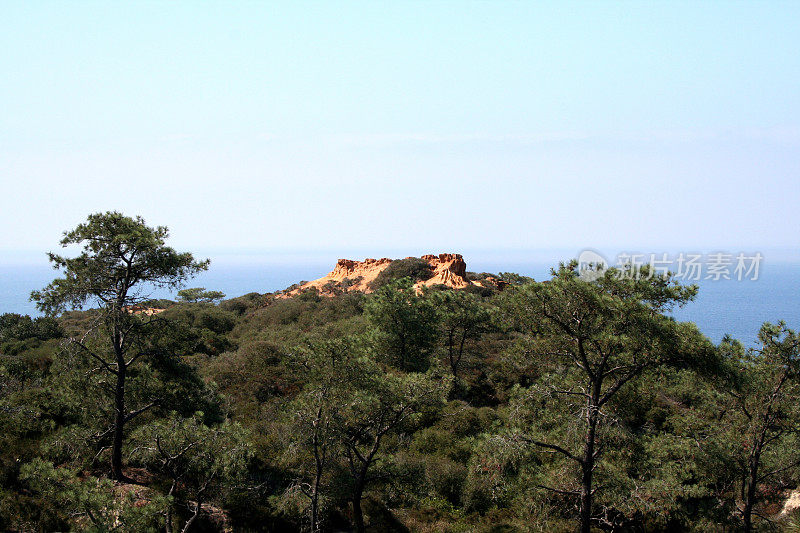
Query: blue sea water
point(732, 307)
point(722, 307)
point(234, 279)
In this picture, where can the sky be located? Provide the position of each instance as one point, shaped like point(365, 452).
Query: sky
point(432, 126)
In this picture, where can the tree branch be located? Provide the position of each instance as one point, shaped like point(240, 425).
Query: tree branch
point(553, 447)
point(137, 412)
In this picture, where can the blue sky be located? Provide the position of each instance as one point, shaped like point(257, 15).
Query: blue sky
point(409, 125)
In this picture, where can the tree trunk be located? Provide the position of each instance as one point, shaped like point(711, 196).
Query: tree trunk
point(168, 517)
point(461, 347)
point(314, 512)
point(360, 481)
point(358, 514)
point(587, 467)
point(750, 495)
point(755, 456)
point(747, 516)
point(197, 509)
point(119, 425)
point(451, 352)
point(586, 492)
point(315, 504)
point(319, 464)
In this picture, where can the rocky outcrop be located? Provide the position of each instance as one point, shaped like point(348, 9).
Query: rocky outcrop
point(347, 275)
point(358, 273)
point(449, 270)
point(147, 311)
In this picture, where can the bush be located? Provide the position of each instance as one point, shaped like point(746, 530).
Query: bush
point(412, 267)
point(203, 326)
point(22, 327)
point(241, 304)
point(446, 478)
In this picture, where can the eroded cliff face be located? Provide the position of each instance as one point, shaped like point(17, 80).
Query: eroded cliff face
point(448, 269)
point(350, 275)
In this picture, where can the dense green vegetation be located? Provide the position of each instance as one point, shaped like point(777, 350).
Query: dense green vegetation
point(558, 405)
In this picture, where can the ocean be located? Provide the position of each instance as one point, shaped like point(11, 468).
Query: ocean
point(722, 307)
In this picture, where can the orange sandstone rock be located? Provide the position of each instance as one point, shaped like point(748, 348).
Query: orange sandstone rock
point(448, 269)
point(147, 311)
point(350, 275)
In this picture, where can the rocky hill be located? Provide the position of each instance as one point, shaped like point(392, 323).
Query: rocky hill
point(446, 269)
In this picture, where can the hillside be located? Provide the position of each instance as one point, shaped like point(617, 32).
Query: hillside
point(362, 402)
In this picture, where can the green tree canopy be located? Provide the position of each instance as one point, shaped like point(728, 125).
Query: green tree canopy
point(200, 294)
point(198, 460)
point(121, 261)
point(405, 325)
point(462, 318)
point(591, 339)
point(762, 422)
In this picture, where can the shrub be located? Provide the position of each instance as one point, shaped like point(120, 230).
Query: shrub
point(241, 304)
point(412, 267)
